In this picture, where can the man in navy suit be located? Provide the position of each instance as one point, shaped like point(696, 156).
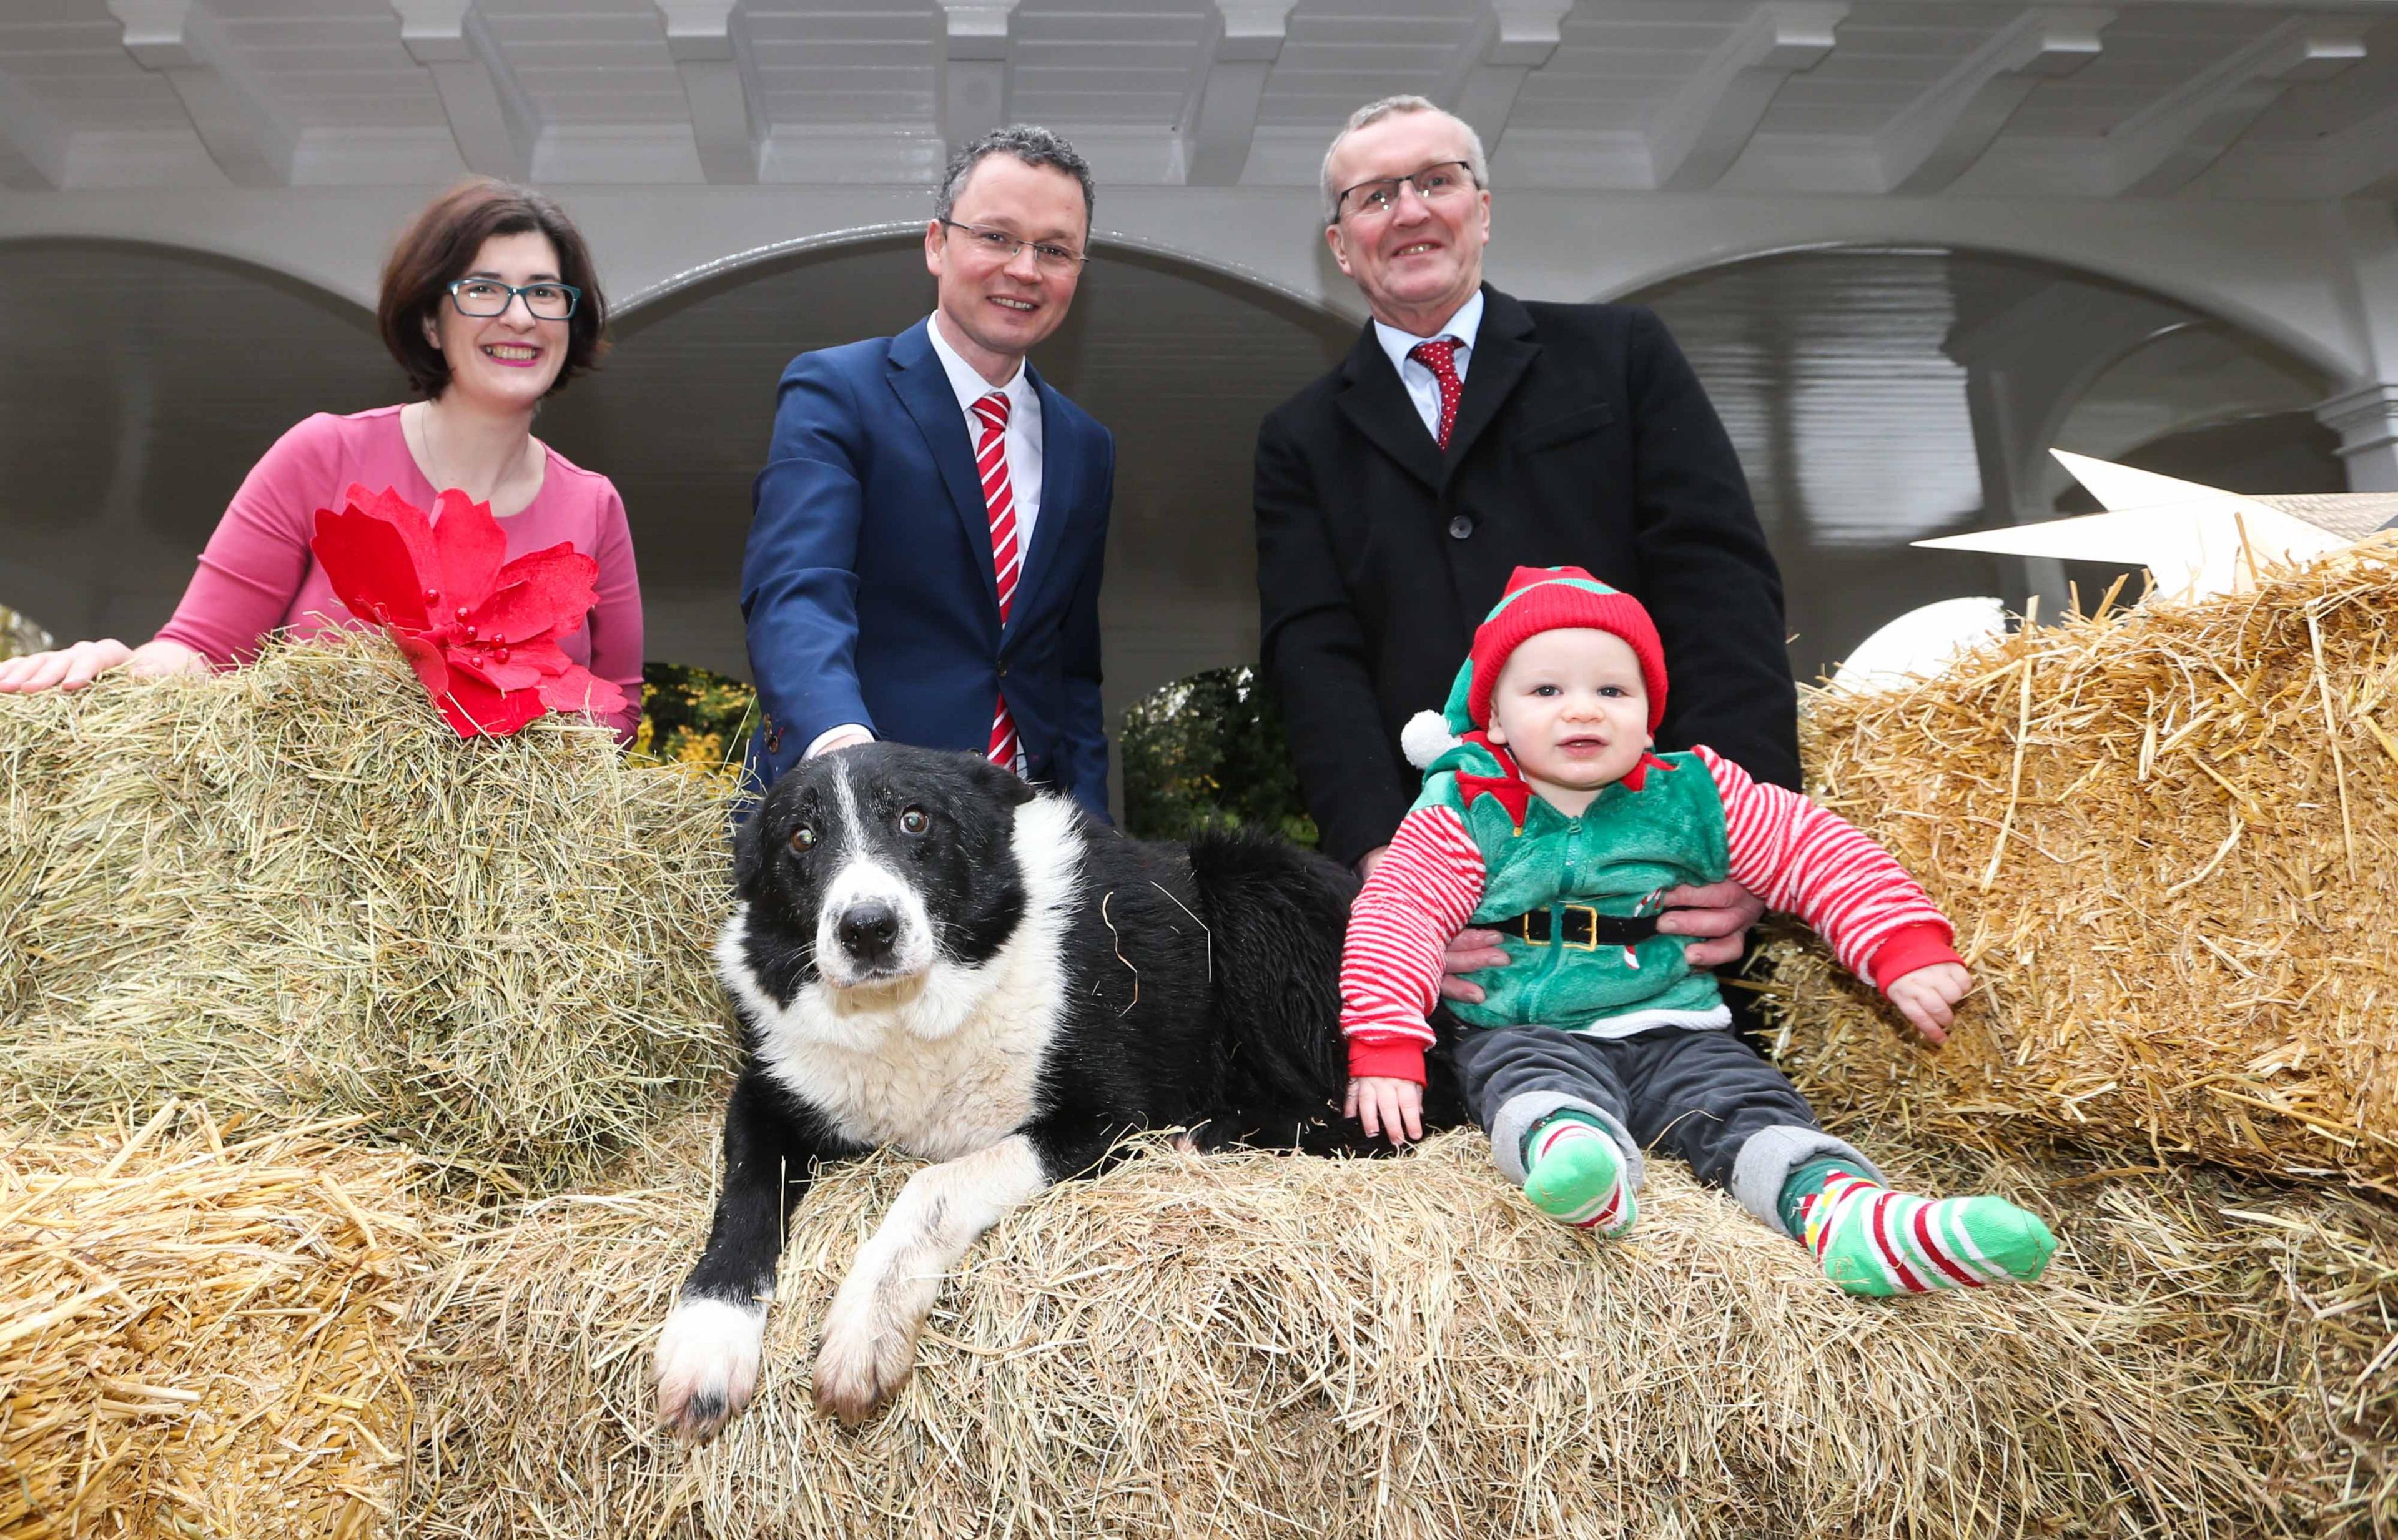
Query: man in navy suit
point(927, 536)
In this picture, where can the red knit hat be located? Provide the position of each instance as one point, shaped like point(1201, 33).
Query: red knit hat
point(1555, 598)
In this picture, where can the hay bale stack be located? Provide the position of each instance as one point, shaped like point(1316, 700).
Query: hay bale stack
point(205, 1335)
point(1258, 1346)
point(2169, 838)
point(291, 889)
point(2284, 1295)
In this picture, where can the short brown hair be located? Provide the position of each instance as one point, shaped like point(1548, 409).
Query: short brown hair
point(436, 250)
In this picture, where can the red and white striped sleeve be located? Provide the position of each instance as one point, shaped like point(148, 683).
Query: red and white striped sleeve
point(1809, 861)
point(1419, 896)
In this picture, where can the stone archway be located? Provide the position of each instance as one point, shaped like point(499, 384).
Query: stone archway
point(1882, 395)
point(143, 382)
point(1179, 359)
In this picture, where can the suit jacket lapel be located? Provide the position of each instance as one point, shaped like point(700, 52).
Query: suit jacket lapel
point(1504, 348)
point(923, 387)
point(1380, 409)
point(1061, 468)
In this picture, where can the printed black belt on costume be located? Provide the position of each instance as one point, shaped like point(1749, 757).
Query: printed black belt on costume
point(1584, 926)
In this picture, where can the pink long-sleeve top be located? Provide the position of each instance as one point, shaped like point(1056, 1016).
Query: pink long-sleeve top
point(258, 574)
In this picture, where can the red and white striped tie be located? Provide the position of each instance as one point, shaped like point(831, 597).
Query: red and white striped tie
point(990, 460)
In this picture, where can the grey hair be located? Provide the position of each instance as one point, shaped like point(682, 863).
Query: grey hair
point(1028, 143)
point(1390, 106)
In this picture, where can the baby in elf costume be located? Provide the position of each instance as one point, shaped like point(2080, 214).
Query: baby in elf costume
point(1545, 817)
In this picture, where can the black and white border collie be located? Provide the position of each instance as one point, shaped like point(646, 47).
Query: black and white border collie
point(927, 955)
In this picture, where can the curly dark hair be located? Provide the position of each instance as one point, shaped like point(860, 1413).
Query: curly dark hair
point(436, 250)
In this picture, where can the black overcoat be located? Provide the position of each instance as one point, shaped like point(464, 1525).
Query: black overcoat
point(1582, 439)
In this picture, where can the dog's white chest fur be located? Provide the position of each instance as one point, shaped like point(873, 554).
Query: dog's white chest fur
point(946, 1064)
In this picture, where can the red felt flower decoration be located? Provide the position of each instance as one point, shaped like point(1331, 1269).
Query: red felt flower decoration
point(482, 636)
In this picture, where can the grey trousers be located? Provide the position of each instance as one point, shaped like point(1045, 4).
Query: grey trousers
point(1700, 1093)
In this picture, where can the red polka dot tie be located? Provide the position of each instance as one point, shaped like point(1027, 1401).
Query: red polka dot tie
point(1441, 359)
point(990, 460)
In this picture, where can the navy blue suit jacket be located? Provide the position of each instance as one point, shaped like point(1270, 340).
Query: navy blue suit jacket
point(868, 586)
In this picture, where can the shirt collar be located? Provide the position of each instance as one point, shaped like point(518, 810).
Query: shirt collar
point(1462, 327)
point(968, 383)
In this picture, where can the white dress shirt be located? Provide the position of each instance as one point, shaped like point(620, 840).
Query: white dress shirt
point(1022, 445)
point(1423, 389)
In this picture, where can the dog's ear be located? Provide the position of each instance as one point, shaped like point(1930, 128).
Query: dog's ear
point(749, 852)
point(997, 781)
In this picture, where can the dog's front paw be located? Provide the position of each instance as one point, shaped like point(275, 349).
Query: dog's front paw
point(869, 1352)
point(707, 1365)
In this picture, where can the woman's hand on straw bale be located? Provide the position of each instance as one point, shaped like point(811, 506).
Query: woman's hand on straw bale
point(1720, 914)
point(73, 668)
point(1468, 952)
point(1928, 996)
point(67, 668)
point(1389, 1107)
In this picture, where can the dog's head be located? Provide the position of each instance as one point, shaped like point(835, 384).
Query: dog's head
point(877, 862)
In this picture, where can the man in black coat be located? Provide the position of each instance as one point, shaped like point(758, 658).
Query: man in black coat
point(1468, 433)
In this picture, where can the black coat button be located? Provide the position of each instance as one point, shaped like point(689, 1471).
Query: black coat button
point(1460, 527)
point(1002, 667)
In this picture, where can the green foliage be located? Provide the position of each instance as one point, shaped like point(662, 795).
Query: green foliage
point(694, 717)
point(1208, 753)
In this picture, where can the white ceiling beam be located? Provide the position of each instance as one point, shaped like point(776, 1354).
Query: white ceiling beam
point(491, 117)
point(974, 67)
point(251, 141)
point(1939, 134)
point(1694, 138)
point(710, 42)
point(1221, 118)
point(2162, 147)
point(2361, 160)
point(1510, 40)
point(32, 142)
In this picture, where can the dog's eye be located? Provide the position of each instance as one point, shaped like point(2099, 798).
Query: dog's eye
point(804, 839)
point(913, 819)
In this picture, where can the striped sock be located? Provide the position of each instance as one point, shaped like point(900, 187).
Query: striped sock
point(1874, 1241)
point(1573, 1174)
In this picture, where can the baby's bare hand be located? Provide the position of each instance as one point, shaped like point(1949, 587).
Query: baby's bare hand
point(1387, 1106)
point(1928, 996)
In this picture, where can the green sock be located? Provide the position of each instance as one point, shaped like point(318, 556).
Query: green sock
point(1573, 1173)
point(1872, 1240)
point(1804, 1183)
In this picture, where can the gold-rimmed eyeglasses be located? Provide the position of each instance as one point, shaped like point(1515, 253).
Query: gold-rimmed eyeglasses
point(999, 244)
point(1433, 185)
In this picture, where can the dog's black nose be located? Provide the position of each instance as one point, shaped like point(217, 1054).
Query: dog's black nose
point(868, 930)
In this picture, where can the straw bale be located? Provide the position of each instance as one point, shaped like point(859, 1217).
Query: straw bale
point(2169, 838)
point(1262, 1346)
point(293, 889)
point(2285, 1294)
point(204, 1333)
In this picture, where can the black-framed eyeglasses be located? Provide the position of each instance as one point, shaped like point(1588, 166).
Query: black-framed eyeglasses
point(999, 244)
point(484, 298)
point(1433, 185)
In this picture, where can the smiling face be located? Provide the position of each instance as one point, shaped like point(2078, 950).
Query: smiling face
point(1572, 707)
point(998, 307)
point(507, 361)
point(1417, 261)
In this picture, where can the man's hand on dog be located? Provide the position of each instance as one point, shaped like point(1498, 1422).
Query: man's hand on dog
point(1389, 1107)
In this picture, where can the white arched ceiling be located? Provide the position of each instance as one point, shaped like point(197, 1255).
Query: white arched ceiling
point(2284, 273)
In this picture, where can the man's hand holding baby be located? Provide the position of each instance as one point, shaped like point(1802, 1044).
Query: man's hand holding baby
point(1928, 997)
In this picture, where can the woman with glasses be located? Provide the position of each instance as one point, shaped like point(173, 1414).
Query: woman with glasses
point(490, 306)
